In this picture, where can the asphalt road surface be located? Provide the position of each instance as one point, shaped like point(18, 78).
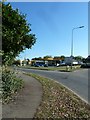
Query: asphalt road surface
point(76, 81)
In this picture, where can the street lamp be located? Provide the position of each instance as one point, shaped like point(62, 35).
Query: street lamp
point(72, 44)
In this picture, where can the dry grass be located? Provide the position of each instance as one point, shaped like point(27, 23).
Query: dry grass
point(58, 102)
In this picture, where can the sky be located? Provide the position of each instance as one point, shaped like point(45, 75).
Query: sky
point(47, 0)
point(52, 23)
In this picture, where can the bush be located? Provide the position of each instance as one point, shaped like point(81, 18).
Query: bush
point(10, 84)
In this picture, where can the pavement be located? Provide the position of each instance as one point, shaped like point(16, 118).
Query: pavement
point(26, 102)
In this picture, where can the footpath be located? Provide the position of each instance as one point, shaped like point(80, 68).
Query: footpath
point(26, 102)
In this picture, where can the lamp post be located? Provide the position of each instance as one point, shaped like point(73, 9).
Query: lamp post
point(72, 44)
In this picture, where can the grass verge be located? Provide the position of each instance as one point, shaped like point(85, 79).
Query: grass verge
point(61, 68)
point(59, 102)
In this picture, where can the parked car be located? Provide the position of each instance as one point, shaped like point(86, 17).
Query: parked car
point(85, 65)
point(46, 65)
point(36, 65)
point(57, 64)
point(62, 64)
point(80, 63)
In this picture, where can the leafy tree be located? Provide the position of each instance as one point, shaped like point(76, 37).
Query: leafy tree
point(47, 56)
point(38, 58)
point(84, 60)
point(16, 33)
point(16, 62)
point(28, 61)
point(57, 57)
point(78, 58)
point(88, 59)
point(62, 57)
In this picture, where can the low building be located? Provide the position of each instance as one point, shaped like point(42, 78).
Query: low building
point(57, 60)
point(70, 60)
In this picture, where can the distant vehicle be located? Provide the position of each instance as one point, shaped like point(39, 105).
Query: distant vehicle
point(85, 65)
point(62, 64)
point(46, 65)
point(57, 64)
point(75, 63)
point(39, 64)
point(80, 63)
point(36, 65)
point(88, 65)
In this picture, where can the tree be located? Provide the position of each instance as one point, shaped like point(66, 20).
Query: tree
point(88, 59)
point(16, 62)
point(37, 58)
point(84, 60)
point(47, 56)
point(28, 61)
point(62, 57)
point(16, 33)
point(78, 58)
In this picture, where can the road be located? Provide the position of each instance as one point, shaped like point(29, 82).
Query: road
point(76, 81)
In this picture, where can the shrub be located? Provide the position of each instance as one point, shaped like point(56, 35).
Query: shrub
point(10, 84)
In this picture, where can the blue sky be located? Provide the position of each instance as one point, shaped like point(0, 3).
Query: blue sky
point(52, 22)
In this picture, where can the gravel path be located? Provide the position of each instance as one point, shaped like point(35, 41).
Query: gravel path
point(26, 102)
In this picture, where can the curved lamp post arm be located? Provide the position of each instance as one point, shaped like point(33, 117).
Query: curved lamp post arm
point(72, 42)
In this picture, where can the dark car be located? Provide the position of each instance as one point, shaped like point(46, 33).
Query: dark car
point(46, 65)
point(36, 65)
point(85, 65)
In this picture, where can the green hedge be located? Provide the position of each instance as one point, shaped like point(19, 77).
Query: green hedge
point(10, 84)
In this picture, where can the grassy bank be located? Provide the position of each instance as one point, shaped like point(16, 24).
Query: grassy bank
point(61, 68)
point(59, 102)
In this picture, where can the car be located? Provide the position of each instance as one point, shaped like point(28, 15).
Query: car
point(41, 65)
point(62, 64)
point(57, 64)
point(85, 65)
point(36, 65)
point(46, 65)
point(80, 63)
